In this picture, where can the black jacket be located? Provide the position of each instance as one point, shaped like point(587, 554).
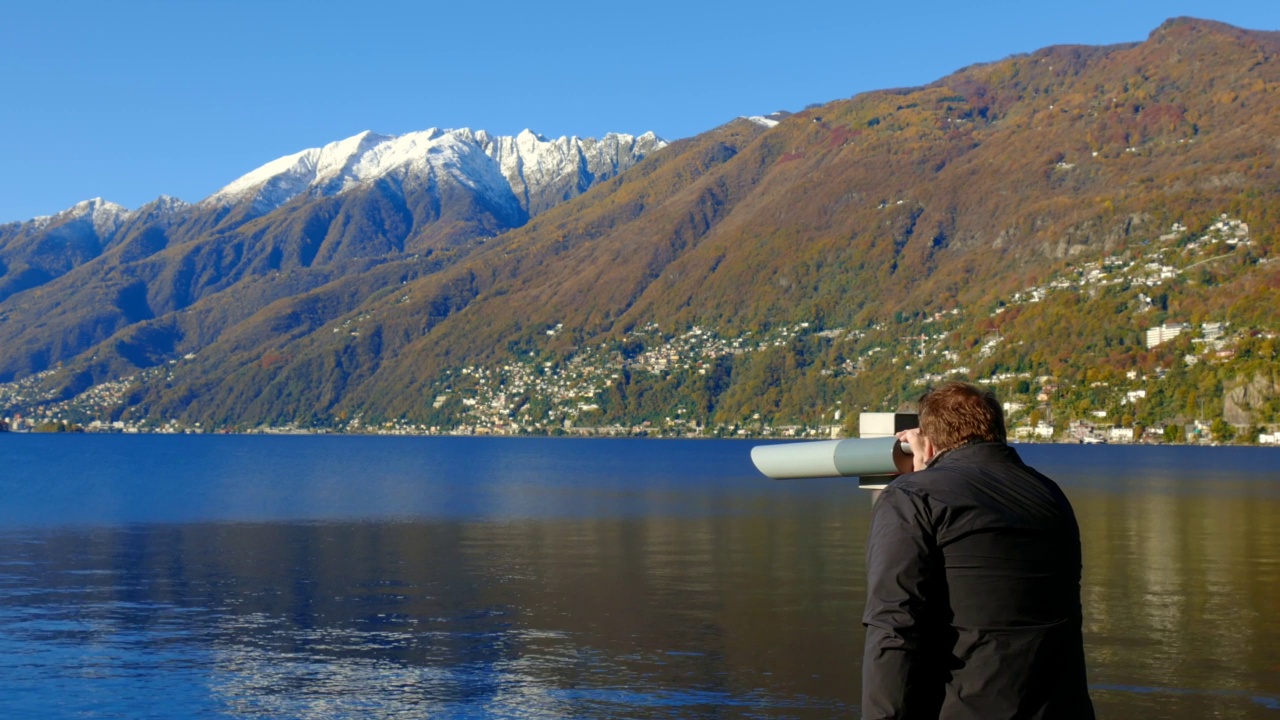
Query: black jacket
point(973, 594)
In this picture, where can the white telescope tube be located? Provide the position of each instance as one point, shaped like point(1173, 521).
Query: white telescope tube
point(828, 458)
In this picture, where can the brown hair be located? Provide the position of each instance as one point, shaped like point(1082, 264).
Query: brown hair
point(958, 413)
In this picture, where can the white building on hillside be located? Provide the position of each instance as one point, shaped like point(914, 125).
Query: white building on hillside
point(1120, 434)
point(1165, 333)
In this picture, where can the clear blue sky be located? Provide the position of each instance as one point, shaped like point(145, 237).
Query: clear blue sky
point(131, 99)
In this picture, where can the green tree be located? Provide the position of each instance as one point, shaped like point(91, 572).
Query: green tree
point(1250, 435)
point(1222, 432)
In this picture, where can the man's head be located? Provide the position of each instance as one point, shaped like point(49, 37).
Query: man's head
point(958, 413)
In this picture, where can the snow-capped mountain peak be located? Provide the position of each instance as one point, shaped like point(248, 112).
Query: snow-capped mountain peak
point(507, 168)
point(162, 207)
point(525, 173)
point(170, 203)
point(770, 120)
point(105, 215)
point(280, 180)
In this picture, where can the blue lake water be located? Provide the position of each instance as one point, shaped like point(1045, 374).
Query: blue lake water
point(354, 577)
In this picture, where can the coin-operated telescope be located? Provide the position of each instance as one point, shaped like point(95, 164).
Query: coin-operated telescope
point(868, 457)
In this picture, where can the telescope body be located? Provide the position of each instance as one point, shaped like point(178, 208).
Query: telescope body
point(854, 457)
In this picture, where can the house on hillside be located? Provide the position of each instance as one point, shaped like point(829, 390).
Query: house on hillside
point(1120, 435)
point(1041, 431)
point(1165, 333)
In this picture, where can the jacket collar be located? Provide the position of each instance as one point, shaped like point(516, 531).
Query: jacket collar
point(976, 452)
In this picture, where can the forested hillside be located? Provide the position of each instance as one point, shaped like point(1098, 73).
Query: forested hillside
point(1022, 223)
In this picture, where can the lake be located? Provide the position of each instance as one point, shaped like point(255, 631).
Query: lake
point(365, 577)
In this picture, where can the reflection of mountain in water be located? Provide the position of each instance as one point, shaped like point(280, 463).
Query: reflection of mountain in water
point(533, 619)
point(1181, 590)
point(666, 590)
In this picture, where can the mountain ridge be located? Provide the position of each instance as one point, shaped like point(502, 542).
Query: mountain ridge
point(860, 221)
point(368, 157)
point(73, 270)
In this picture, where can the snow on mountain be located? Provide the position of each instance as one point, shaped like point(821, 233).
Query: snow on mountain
point(275, 183)
point(167, 203)
point(106, 216)
point(165, 206)
point(770, 120)
point(526, 173)
point(531, 162)
point(503, 168)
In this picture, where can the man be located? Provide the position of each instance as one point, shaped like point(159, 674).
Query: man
point(973, 578)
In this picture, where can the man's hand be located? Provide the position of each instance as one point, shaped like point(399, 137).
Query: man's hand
point(922, 451)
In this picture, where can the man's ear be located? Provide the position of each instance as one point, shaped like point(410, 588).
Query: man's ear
point(921, 460)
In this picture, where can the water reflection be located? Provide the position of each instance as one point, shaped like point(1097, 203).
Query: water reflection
point(1181, 602)
point(640, 597)
point(621, 618)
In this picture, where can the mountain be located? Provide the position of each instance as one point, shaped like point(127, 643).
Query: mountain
point(521, 176)
point(43, 248)
point(314, 216)
point(1022, 223)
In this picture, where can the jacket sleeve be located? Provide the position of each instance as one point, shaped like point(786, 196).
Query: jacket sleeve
point(898, 573)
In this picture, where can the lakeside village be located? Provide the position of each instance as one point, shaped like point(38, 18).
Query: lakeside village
point(533, 397)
